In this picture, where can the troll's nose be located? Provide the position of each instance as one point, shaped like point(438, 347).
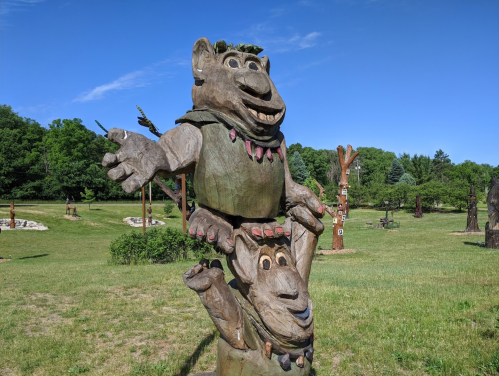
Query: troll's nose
point(285, 287)
point(254, 83)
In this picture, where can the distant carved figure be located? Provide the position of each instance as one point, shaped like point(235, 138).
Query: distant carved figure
point(149, 216)
point(472, 225)
point(492, 226)
point(70, 208)
point(12, 216)
point(493, 205)
point(419, 209)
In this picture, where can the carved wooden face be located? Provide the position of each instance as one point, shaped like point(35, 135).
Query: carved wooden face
point(271, 282)
point(237, 84)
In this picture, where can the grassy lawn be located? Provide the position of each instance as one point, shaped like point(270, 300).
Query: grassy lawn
point(412, 301)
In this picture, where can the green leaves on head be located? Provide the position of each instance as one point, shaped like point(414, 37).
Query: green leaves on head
point(221, 46)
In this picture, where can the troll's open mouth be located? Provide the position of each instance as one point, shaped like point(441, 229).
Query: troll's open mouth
point(303, 315)
point(265, 114)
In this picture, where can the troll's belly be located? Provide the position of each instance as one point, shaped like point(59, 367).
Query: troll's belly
point(228, 180)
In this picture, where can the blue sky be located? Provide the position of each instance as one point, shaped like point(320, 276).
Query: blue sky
point(409, 76)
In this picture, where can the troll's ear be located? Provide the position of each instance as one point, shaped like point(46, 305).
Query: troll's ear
point(266, 63)
point(202, 53)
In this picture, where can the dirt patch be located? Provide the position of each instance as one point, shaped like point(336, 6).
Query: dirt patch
point(335, 251)
point(71, 218)
point(467, 233)
point(4, 260)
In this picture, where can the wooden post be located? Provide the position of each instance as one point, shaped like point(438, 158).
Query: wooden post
point(184, 204)
point(143, 210)
point(150, 193)
point(345, 162)
point(340, 214)
point(472, 223)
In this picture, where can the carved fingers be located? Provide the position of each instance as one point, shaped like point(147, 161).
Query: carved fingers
point(303, 206)
point(307, 219)
point(298, 195)
point(201, 277)
point(212, 229)
point(137, 160)
point(265, 231)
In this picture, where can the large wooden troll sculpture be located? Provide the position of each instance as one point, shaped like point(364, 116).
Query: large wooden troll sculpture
point(232, 143)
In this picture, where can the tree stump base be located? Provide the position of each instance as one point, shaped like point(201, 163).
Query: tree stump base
point(491, 237)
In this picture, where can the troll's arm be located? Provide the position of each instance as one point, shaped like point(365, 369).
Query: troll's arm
point(139, 159)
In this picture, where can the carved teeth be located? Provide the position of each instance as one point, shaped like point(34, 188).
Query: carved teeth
point(248, 148)
point(262, 116)
point(232, 134)
point(310, 354)
point(300, 361)
point(277, 116)
point(269, 233)
point(284, 361)
point(259, 153)
point(281, 157)
point(253, 112)
point(269, 155)
point(268, 350)
point(270, 117)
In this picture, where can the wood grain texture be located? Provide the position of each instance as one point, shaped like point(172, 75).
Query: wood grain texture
point(227, 180)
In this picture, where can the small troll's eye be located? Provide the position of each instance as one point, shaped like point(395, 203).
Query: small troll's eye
point(233, 63)
point(281, 259)
point(252, 66)
point(265, 262)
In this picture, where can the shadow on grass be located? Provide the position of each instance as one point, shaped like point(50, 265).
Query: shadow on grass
point(191, 362)
point(476, 244)
point(35, 256)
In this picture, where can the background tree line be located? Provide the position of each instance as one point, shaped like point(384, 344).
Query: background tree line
point(38, 163)
point(378, 176)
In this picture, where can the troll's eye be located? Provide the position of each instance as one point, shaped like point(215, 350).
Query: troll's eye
point(281, 259)
point(233, 63)
point(265, 262)
point(253, 66)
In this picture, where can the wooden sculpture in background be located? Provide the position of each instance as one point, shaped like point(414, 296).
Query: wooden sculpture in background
point(70, 208)
point(341, 214)
point(472, 222)
point(232, 143)
point(12, 216)
point(492, 226)
point(419, 209)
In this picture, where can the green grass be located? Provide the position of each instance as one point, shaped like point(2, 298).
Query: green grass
point(412, 301)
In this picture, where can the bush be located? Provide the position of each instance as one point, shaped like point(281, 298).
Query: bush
point(156, 246)
point(168, 208)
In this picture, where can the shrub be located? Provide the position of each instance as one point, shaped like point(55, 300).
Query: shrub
point(168, 208)
point(156, 246)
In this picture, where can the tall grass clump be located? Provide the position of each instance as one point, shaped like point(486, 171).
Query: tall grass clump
point(156, 246)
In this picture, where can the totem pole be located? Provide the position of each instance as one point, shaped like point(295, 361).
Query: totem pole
point(472, 224)
point(492, 226)
point(232, 143)
point(419, 209)
point(341, 214)
point(12, 216)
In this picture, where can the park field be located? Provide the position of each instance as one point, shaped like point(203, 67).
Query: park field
point(415, 300)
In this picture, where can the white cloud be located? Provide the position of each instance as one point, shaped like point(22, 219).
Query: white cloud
point(9, 6)
point(305, 42)
point(130, 80)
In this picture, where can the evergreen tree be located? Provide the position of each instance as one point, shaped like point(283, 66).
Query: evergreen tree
point(441, 165)
point(407, 179)
point(396, 172)
point(298, 170)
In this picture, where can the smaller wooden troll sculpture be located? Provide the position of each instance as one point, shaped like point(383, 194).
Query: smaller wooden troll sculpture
point(232, 143)
point(492, 226)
